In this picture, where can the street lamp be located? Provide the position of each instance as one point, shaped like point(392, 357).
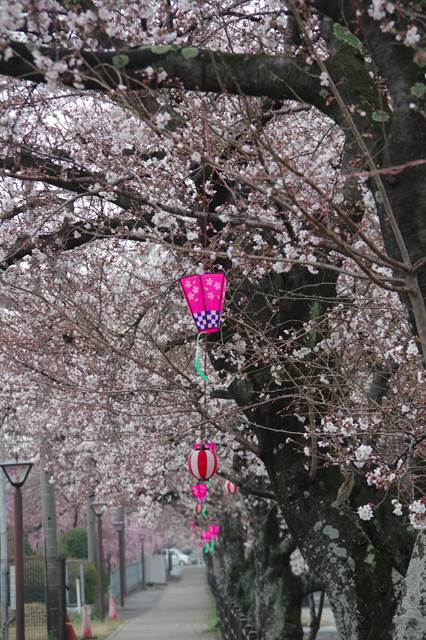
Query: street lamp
point(99, 509)
point(119, 527)
point(143, 561)
point(17, 473)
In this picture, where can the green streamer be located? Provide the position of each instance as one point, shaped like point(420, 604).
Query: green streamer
point(204, 512)
point(197, 361)
point(212, 545)
point(206, 548)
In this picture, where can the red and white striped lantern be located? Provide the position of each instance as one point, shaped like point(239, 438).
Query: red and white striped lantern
point(231, 488)
point(202, 464)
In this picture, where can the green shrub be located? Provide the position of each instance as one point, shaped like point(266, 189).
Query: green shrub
point(73, 544)
point(90, 580)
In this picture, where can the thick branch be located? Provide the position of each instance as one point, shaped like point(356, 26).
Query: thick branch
point(276, 77)
point(72, 236)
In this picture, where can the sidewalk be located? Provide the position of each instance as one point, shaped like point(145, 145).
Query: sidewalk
point(180, 611)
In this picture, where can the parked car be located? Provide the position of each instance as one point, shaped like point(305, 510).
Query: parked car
point(177, 558)
point(192, 555)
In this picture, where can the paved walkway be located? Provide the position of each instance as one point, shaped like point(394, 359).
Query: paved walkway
point(180, 611)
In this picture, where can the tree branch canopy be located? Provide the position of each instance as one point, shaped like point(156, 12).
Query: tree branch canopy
point(276, 77)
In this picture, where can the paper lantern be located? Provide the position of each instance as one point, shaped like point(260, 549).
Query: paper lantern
point(212, 446)
point(205, 295)
point(202, 464)
point(214, 530)
point(207, 536)
point(199, 491)
point(231, 488)
point(198, 508)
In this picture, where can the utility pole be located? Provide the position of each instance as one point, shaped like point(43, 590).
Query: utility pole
point(55, 613)
point(99, 509)
point(91, 530)
point(122, 554)
point(119, 524)
point(143, 561)
point(4, 564)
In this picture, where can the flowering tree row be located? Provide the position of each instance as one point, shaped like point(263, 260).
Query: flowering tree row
point(284, 144)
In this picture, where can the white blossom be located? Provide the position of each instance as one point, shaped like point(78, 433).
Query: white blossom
point(397, 508)
point(412, 37)
point(412, 349)
point(365, 512)
point(362, 454)
point(324, 79)
point(418, 514)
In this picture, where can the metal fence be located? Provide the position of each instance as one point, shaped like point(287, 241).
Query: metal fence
point(44, 601)
point(134, 579)
point(233, 624)
point(35, 598)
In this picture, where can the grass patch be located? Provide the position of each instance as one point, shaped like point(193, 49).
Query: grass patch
point(213, 622)
point(100, 629)
point(35, 622)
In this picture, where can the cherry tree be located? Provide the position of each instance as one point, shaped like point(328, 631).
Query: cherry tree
point(288, 152)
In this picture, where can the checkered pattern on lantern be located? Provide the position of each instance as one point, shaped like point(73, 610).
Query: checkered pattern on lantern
point(207, 320)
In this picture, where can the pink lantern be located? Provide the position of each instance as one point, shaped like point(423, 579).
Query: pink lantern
point(231, 488)
point(202, 463)
point(205, 295)
point(214, 530)
point(209, 445)
point(207, 536)
point(199, 491)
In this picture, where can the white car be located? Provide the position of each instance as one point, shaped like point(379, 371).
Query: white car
point(178, 558)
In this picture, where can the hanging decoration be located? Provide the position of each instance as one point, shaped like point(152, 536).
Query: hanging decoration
point(199, 491)
point(199, 508)
point(202, 463)
point(210, 537)
point(207, 537)
point(205, 296)
point(214, 530)
point(231, 488)
point(212, 446)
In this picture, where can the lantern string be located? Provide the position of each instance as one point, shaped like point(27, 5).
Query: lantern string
point(204, 426)
point(197, 360)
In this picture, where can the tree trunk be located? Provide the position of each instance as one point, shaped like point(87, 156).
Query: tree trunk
point(278, 592)
point(410, 622)
point(55, 620)
point(4, 567)
point(357, 576)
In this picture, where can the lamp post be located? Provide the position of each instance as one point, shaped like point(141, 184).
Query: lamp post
point(99, 509)
point(143, 561)
point(17, 473)
point(119, 526)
